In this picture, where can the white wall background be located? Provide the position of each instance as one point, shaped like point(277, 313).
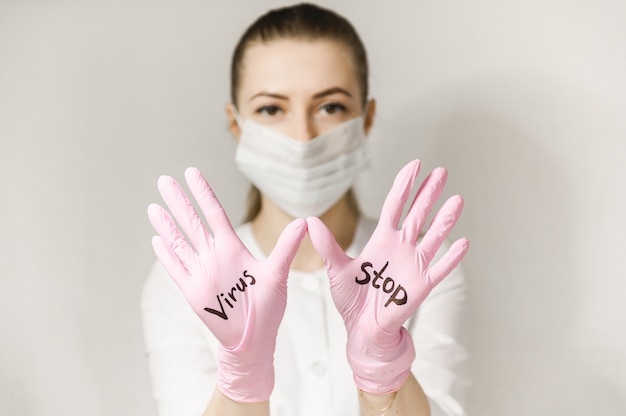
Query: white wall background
point(523, 101)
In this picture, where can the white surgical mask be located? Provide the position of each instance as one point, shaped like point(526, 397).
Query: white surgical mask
point(303, 178)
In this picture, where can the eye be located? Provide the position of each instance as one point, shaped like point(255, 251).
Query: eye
point(270, 110)
point(333, 108)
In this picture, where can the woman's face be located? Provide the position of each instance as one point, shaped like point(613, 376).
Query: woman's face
point(300, 88)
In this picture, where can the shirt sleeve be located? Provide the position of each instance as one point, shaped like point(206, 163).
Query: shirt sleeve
point(439, 335)
point(180, 349)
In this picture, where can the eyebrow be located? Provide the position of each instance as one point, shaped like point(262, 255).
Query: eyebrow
point(267, 94)
point(333, 90)
point(329, 91)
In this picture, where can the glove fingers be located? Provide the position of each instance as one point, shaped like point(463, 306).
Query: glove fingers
point(449, 261)
point(398, 194)
point(425, 198)
point(170, 235)
point(325, 244)
point(171, 263)
point(170, 247)
point(288, 243)
point(183, 211)
point(209, 204)
point(442, 224)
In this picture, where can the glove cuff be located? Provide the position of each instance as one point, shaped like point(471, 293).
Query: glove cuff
point(383, 372)
point(245, 382)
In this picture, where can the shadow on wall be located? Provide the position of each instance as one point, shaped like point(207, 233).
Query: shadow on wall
point(502, 142)
point(517, 220)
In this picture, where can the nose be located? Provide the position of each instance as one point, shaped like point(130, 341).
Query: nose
point(303, 128)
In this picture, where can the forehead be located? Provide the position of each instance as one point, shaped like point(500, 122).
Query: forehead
point(294, 66)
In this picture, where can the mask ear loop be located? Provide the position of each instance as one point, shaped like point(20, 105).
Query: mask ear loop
point(366, 178)
point(237, 117)
point(365, 113)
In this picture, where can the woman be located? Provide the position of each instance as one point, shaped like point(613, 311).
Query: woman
point(284, 312)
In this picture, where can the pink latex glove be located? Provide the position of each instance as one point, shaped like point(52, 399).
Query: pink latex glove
point(241, 300)
point(380, 289)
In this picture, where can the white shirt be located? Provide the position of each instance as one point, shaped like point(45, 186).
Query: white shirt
point(312, 372)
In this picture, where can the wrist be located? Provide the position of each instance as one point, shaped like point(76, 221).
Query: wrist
point(246, 381)
point(381, 369)
point(377, 404)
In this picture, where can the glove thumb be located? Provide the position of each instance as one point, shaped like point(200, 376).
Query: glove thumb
point(325, 244)
point(288, 243)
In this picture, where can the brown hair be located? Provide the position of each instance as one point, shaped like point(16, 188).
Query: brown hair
point(302, 21)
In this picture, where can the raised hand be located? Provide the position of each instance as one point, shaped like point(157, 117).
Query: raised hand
point(380, 289)
point(240, 299)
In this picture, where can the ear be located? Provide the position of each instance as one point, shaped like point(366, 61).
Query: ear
point(232, 121)
point(369, 117)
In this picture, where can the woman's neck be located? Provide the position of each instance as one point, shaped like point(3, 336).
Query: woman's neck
point(341, 219)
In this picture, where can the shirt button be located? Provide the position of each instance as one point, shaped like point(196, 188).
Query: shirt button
point(318, 369)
